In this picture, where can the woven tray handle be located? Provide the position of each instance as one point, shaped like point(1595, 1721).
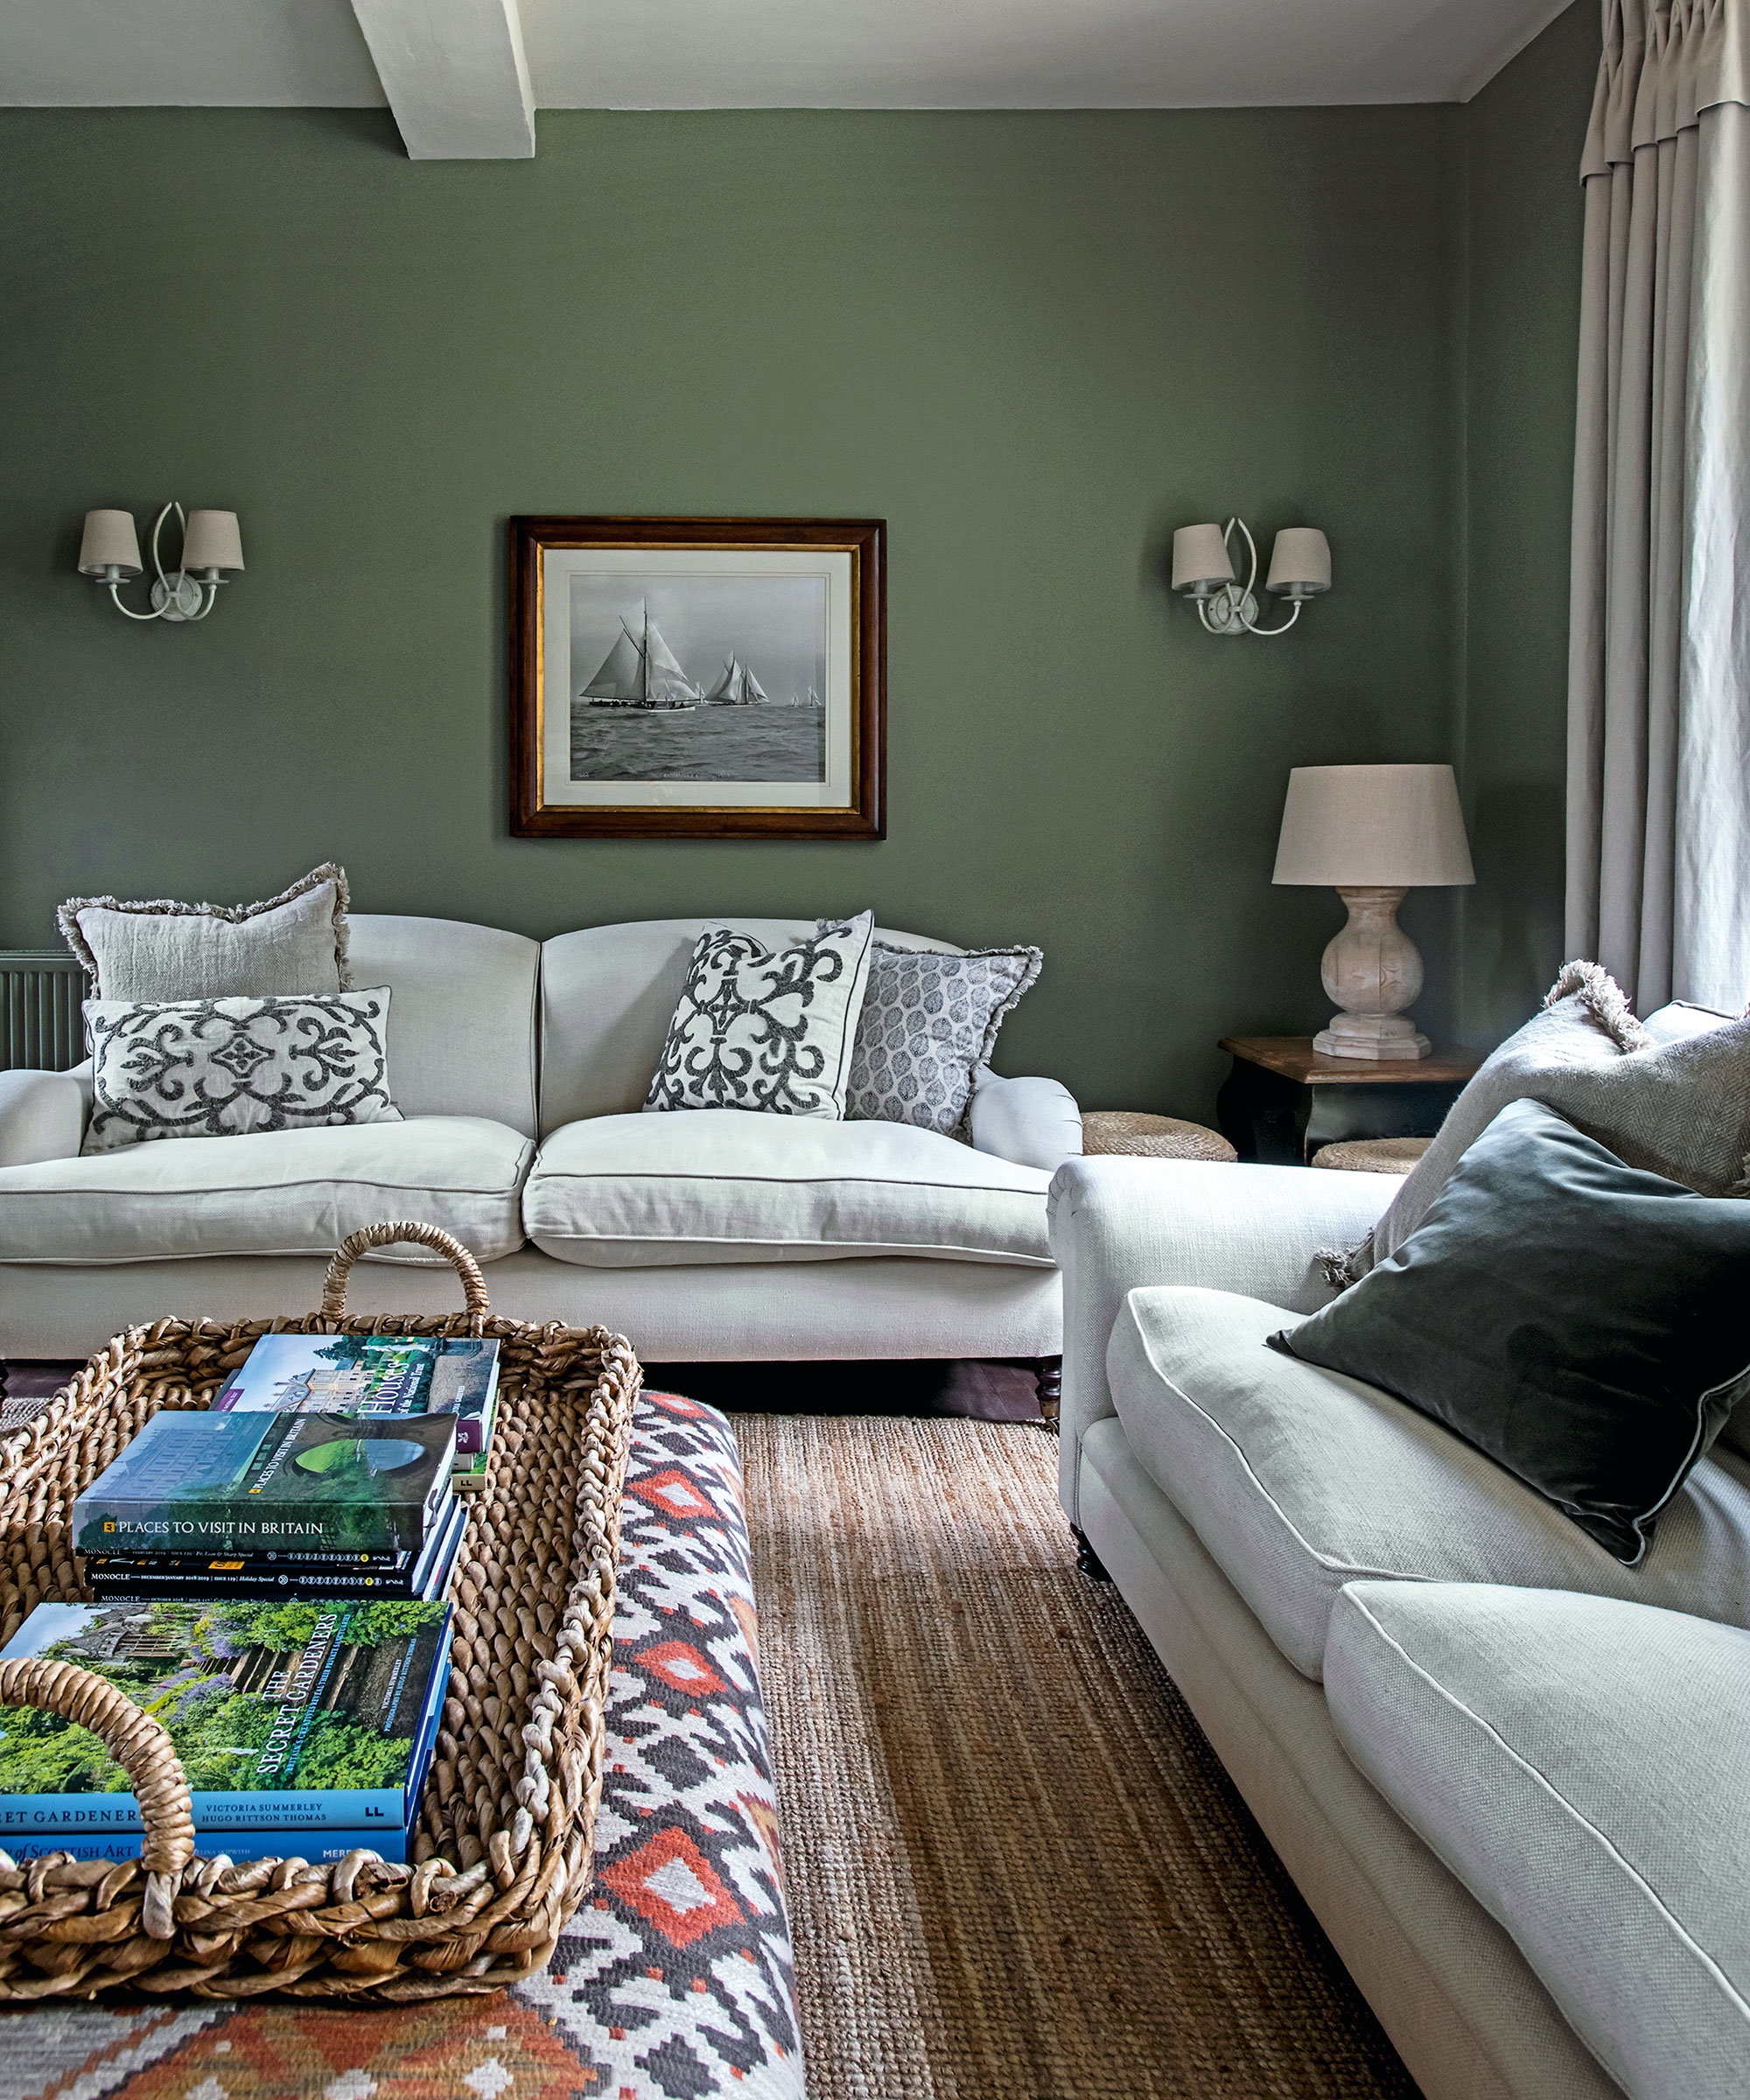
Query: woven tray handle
point(355, 1243)
point(145, 1752)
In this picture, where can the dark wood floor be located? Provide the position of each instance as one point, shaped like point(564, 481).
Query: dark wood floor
point(981, 1391)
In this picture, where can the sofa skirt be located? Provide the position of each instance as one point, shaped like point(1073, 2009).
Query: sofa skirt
point(753, 1312)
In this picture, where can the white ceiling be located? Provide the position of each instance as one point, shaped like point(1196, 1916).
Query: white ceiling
point(587, 54)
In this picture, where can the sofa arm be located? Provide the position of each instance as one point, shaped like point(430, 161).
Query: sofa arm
point(1033, 1122)
point(42, 1116)
point(1118, 1223)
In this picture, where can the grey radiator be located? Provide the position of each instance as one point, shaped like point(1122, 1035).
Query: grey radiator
point(41, 1027)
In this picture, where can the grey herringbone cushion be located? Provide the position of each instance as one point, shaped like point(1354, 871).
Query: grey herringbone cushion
point(928, 1021)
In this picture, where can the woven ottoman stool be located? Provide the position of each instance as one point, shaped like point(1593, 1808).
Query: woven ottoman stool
point(1151, 1137)
point(1373, 1155)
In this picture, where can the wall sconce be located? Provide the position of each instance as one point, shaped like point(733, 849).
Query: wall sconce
point(212, 553)
point(1203, 571)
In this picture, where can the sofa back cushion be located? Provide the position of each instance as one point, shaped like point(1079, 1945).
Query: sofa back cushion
point(461, 1024)
point(607, 996)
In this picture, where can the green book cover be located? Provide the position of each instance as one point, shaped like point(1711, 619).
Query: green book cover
point(193, 1481)
point(283, 1714)
point(371, 1376)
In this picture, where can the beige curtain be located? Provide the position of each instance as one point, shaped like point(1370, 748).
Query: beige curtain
point(1658, 876)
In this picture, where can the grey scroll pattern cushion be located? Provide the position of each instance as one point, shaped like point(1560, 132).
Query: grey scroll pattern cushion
point(224, 1068)
point(292, 943)
point(766, 1029)
point(928, 1021)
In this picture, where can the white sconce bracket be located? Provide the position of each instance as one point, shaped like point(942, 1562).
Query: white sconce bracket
point(1203, 571)
point(110, 556)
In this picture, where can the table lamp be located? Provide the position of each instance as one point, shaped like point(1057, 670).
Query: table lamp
point(1370, 833)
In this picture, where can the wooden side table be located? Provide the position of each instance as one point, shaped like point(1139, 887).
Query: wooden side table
point(1282, 1100)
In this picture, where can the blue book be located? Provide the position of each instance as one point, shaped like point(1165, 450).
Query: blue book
point(287, 1716)
point(196, 1481)
point(321, 1847)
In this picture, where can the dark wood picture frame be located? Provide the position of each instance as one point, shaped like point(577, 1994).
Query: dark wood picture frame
point(533, 815)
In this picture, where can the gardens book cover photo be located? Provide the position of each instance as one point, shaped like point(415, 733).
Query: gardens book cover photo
point(291, 1714)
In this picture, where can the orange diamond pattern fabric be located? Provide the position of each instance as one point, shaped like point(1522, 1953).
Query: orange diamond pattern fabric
point(675, 1979)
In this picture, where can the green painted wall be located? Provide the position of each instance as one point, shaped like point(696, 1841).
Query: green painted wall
point(1525, 216)
point(1033, 342)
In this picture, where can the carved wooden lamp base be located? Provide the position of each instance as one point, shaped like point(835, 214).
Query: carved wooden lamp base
point(1372, 971)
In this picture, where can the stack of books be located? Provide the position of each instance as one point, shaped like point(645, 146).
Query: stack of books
point(304, 1729)
point(269, 1579)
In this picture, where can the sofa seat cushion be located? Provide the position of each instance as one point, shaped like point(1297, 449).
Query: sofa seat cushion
point(1581, 1765)
point(269, 1192)
point(1299, 1479)
point(725, 1185)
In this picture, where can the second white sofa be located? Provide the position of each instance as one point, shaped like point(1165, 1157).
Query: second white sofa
point(521, 1068)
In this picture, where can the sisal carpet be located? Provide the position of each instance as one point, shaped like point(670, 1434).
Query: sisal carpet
point(1015, 1869)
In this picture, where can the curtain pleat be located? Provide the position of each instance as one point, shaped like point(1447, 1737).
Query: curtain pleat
point(1658, 699)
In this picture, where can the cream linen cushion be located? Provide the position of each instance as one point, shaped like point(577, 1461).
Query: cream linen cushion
point(1582, 1765)
point(295, 942)
point(271, 1192)
point(1298, 1480)
point(728, 1185)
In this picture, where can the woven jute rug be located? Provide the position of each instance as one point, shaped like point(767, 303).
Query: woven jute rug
point(1015, 1869)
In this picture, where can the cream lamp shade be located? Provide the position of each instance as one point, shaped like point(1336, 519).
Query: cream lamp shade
point(110, 543)
point(212, 542)
point(1371, 832)
point(1299, 563)
point(1379, 827)
point(1200, 555)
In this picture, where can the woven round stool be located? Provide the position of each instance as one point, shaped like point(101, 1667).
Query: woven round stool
point(1373, 1155)
point(1151, 1137)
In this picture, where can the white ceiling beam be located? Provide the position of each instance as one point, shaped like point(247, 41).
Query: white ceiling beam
point(455, 75)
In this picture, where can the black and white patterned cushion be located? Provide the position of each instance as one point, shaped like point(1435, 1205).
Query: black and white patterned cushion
point(220, 1067)
point(929, 1021)
point(767, 1029)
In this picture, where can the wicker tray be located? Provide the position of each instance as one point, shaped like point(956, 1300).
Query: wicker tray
point(502, 1855)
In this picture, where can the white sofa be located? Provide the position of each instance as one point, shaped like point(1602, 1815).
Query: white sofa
point(1507, 1772)
point(521, 1068)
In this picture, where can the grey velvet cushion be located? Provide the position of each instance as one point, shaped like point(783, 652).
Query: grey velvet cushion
point(223, 1067)
point(1298, 1480)
point(1582, 1765)
point(294, 943)
point(764, 1028)
point(928, 1021)
point(1672, 1099)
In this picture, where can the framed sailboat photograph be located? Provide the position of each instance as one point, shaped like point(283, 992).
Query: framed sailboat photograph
point(698, 678)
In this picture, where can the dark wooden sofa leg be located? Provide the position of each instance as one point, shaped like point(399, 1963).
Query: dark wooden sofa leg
point(1088, 1560)
point(1049, 1380)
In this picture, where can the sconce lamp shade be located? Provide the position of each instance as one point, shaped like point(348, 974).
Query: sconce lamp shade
point(1385, 827)
point(110, 543)
point(1299, 563)
point(212, 542)
point(1200, 555)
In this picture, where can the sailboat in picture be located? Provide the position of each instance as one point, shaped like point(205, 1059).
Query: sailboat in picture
point(640, 670)
point(737, 688)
